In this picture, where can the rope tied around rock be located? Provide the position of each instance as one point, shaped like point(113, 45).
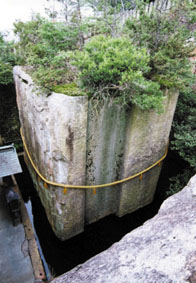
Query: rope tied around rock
point(93, 187)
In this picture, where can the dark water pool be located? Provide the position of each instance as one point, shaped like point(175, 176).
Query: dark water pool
point(63, 256)
point(97, 237)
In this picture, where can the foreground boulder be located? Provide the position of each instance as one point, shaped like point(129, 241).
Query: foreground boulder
point(163, 250)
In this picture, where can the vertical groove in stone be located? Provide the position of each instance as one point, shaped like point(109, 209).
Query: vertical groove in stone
point(146, 141)
point(105, 143)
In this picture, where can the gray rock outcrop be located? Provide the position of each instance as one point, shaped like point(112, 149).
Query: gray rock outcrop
point(162, 250)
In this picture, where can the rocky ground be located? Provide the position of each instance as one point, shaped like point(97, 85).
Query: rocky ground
point(161, 250)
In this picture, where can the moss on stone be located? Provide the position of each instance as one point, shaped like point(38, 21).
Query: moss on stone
point(70, 89)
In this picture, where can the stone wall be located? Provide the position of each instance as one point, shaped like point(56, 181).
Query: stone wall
point(55, 132)
point(162, 250)
point(76, 141)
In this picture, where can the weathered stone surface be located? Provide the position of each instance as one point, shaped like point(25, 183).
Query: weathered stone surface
point(105, 146)
point(121, 143)
point(73, 141)
point(55, 131)
point(146, 140)
point(162, 250)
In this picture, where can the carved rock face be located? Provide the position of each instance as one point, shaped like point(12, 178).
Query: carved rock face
point(76, 141)
point(163, 249)
point(55, 132)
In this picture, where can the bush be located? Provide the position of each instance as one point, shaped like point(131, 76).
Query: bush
point(183, 139)
point(178, 182)
point(184, 128)
point(114, 67)
point(7, 61)
point(166, 34)
point(43, 46)
point(152, 56)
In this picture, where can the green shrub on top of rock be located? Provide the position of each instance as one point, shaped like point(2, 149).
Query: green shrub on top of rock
point(114, 67)
point(42, 45)
point(136, 66)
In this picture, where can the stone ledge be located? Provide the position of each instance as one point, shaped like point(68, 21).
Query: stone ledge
point(162, 250)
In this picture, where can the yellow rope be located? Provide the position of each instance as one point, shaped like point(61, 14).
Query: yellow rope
point(94, 187)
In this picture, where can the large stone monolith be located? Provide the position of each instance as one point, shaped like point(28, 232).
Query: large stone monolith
point(76, 141)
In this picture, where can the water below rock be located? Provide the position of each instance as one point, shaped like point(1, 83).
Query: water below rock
point(97, 237)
